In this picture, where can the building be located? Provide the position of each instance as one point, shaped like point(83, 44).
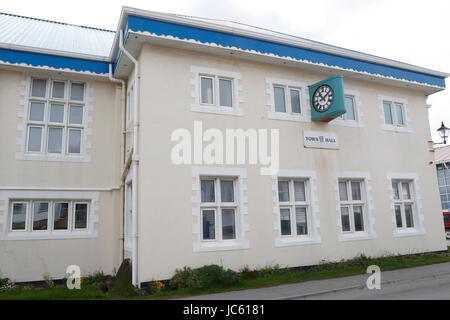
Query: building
point(117, 145)
point(442, 160)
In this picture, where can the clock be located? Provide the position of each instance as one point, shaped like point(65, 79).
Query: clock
point(323, 98)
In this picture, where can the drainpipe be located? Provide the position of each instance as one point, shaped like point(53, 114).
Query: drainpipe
point(122, 159)
point(135, 161)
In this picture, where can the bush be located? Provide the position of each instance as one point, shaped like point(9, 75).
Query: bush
point(6, 284)
point(48, 280)
point(246, 273)
point(204, 277)
point(121, 284)
point(183, 278)
point(96, 277)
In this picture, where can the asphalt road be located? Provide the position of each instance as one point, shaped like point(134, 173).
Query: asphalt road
point(427, 282)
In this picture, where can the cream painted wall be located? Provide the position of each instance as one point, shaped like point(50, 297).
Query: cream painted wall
point(27, 260)
point(165, 190)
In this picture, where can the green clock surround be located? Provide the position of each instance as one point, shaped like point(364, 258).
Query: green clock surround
point(327, 99)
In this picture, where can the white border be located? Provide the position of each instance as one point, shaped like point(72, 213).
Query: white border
point(305, 109)
point(8, 196)
point(370, 220)
point(420, 230)
point(314, 237)
point(358, 123)
point(237, 98)
point(241, 242)
point(389, 127)
point(22, 126)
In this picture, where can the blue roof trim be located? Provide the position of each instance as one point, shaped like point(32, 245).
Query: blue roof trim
point(53, 61)
point(161, 28)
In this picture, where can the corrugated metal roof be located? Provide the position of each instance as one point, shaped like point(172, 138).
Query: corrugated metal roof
point(18, 32)
point(442, 154)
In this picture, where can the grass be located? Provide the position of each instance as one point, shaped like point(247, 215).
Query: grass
point(259, 278)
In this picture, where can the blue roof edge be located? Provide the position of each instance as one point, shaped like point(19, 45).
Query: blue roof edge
point(244, 43)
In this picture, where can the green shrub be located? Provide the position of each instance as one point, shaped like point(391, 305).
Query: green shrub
point(96, 277)
point(48, 280)
point(121, 284)
point(246, 273)
point(214, 276)
point(183, 278)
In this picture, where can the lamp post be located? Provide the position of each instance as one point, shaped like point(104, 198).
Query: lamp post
point(443, 133)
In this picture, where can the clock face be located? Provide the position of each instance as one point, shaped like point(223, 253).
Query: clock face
point(323, 98)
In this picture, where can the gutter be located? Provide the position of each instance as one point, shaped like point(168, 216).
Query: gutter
point(135, 163)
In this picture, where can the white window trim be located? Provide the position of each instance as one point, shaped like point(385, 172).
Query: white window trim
point(240, 174)
point(369, 221)
point(22, 127)
point(406, 120)
point(304, 116)
point(236, 99)
point(357, 123)
point(417, 207)
point(314, 222)
point(11, 196)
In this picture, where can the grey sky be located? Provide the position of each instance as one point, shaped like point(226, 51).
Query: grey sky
point(413, 31)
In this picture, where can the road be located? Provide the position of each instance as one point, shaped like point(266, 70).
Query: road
point(427, 282)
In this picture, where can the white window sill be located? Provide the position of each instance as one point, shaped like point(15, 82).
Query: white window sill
point(398, 233)
point(347, 123)
point(388, 127)
point(287, 116)
point(61, 158)
point(356, 236)
point(43, 235)
point(221, 245)
point(231, 111)
point(296, 241)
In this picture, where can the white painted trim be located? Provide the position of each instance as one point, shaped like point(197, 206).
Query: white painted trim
point(86, 127)
point(369, 220)
point(418, 215)
point(358, 123)
point(237, 98)
point(8, 196)
point(314, 237)
point(61, 189)
point(407, 121)
point(305, 110)
point(242, 227)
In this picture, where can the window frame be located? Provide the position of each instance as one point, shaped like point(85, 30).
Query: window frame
point(393, 109)
point(343, 117)
point(403, 202)
point(350, 203)
point(217, 206)
point(27, 213)
point(216, 92)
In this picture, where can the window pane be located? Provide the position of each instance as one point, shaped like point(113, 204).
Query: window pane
point(405, 189)
point(74, 141)
point(40, 216)
point(345, 219)
point(285, 221)
point(81, 216)
point(37, 111)
point(34, 139)
point(399, 112)
point(228, 224)
point(61, 214)
point(395, 189)
point(350, 108)
point(57, 113)
point(58, 90)
point(225, 93)
point(409, 216)
point(55, 140)
point(207, 90)
point(208, 225)
point(280, 103)
point(19, 216)
point(77, 92)
point(300, 220)
point(299, 191)
point(343, 196)
point(398, 216)
point(208, 194)
point(295, 101)
point(356, 190)
point(39, 87)
point(283, 191)
point(359, 220)
point(226, 191)
point(387, 113)
point(76, 115)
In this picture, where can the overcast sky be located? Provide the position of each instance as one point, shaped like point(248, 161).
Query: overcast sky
point(412, 31)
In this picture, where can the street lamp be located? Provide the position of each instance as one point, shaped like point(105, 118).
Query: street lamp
point(443, 132)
